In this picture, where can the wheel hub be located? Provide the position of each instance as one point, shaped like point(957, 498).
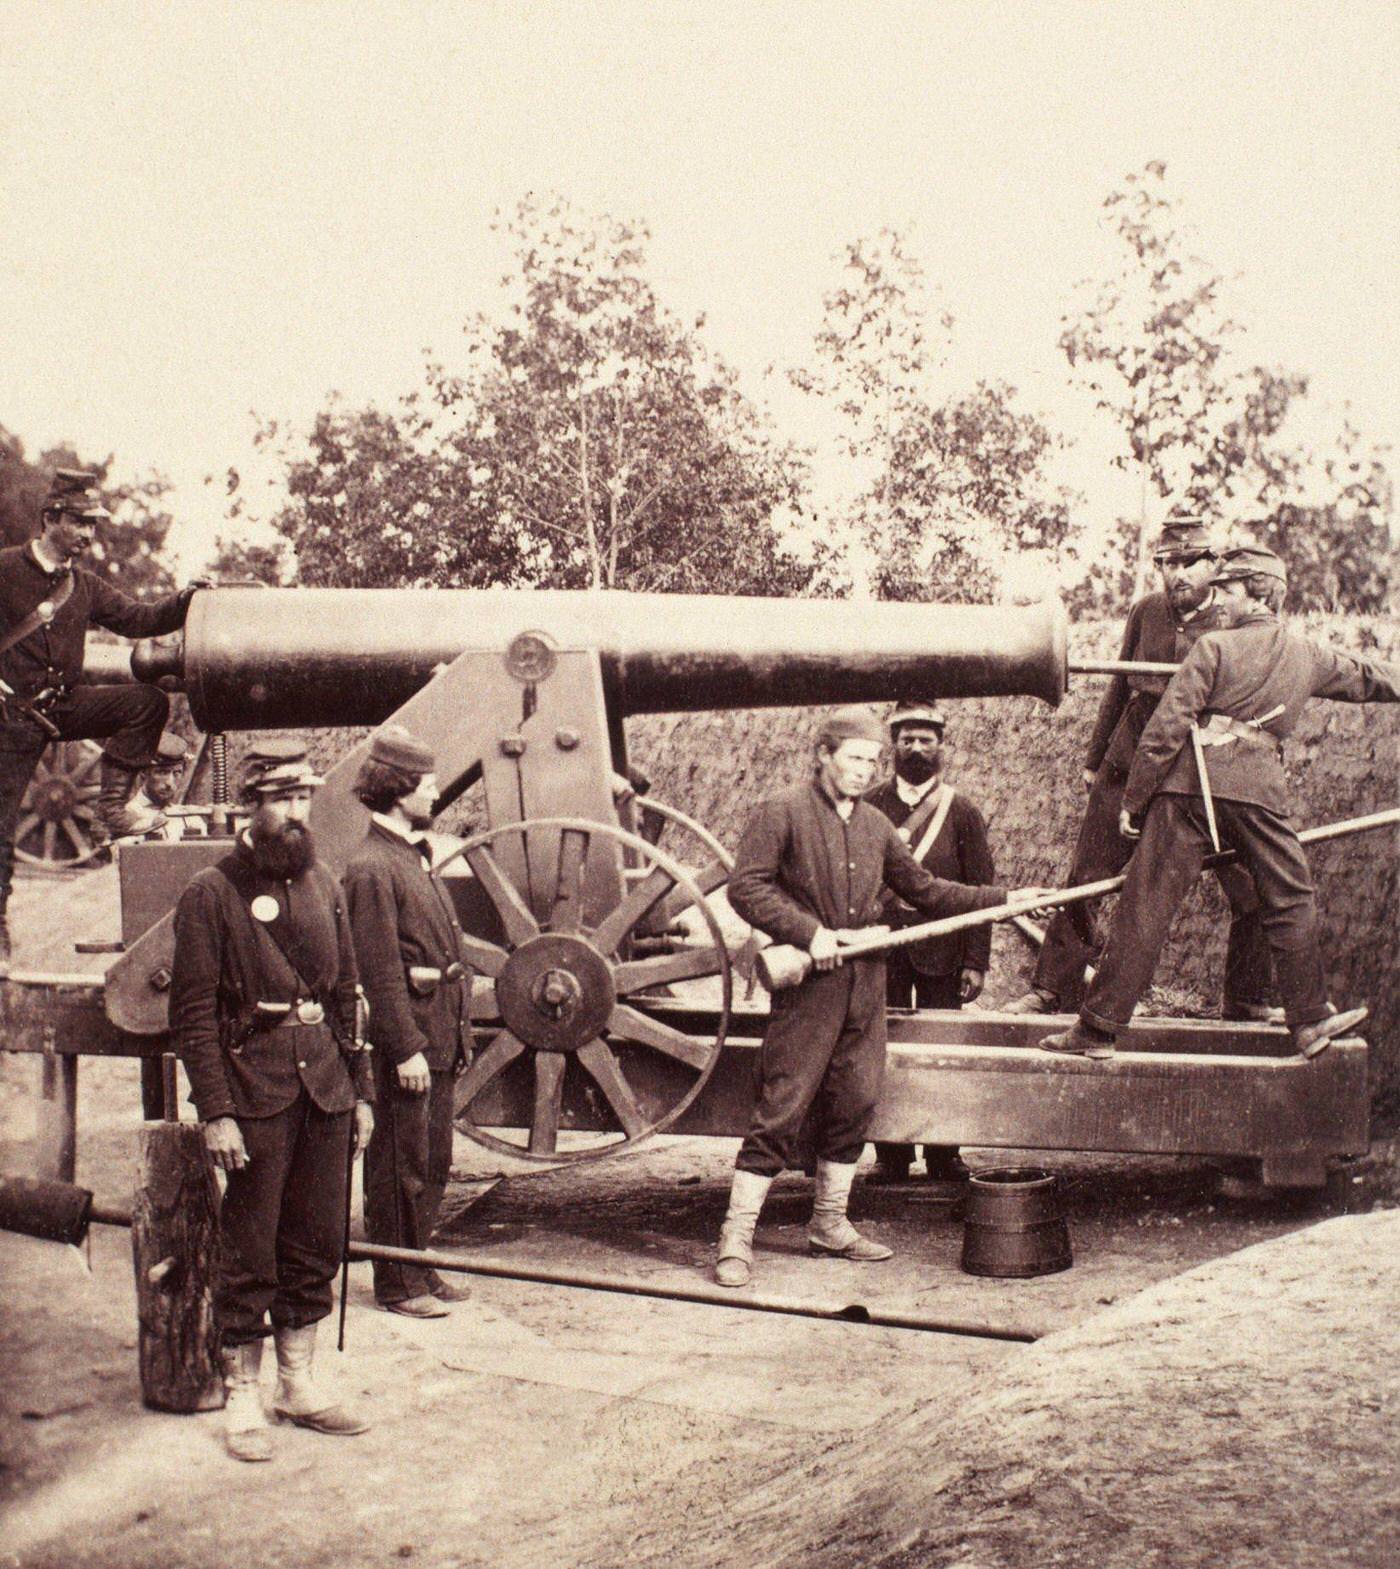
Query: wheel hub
point(54, 798)
point(556, 992)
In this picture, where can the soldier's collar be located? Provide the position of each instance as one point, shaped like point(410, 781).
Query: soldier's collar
point(41, 560)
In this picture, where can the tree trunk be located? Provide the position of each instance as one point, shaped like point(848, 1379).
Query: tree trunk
point(174, 1246)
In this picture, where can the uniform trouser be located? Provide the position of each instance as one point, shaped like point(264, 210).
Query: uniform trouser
point(1175, 841)
point(129, 718)
point(282, 1223)
point(407, 1166)
point(906, 987)
point(1072, 938)
point(823, 1051)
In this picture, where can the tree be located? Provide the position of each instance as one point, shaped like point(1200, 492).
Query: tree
point(951, 487)
point(126, 550)
point(589, 442)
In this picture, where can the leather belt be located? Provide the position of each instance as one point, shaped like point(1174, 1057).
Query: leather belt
point(302, 1013)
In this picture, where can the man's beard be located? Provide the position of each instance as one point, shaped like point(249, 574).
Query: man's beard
point(917, 768)
point(281, 851)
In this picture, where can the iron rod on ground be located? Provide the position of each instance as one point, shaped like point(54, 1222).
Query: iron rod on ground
point(1121, 667)
point(853, 1313)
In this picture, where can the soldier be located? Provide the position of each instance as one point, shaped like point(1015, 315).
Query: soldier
point(948, 837)
point(408, 944)
point(1161, 628)
point(46, 605)
point(262, 1011)
point(810, 869)
point(1208, 773)
point(160, 784)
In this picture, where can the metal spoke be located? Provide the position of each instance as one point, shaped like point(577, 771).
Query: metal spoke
point(502, 1051)
point(600, 1062)
point(567, 914)
point(484, 957)
point(549, 1100)
point(50, 840)
point(644, 898)
point(686, 964)
point(27, 827)
point(520, 925)
point(633, 1025)
point(77, 838)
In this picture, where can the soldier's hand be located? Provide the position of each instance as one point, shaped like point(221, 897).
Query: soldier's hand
point(825, 949)
point(1127, 827)
point(1090, 777)
point(223, 1138)
point(413, 1074)
point(970, 985)
point(1041, 911)
point(362, 1127)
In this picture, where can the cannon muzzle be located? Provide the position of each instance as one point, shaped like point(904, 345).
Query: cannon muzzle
point(310, 657)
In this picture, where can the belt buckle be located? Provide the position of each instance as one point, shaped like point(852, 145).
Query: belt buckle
point(309, 1011)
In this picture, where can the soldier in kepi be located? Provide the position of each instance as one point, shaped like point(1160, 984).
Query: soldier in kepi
point(160, 785)
point(810, 871)
point(948, 837)
point(408, 944)
point(263, 1012)
point(47, 602)
point(1161, 628)
point(1208, 775)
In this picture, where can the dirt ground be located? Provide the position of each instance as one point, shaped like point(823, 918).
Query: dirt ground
point(1216, 1384)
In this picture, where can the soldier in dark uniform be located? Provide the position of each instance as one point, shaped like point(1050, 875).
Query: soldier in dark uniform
point(408, 944)
point(49, 602)
point(1161, 628)
point(1208, 774)
point(810, 871)
point(263, 1015)
point(948, 837)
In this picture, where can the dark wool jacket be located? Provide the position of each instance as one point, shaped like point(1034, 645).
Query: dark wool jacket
point(800, 865)
point(59, 645)
point(225, 963)
point(1154, 635)
point(1245, 673)
point(959, 854)
point(402, 918)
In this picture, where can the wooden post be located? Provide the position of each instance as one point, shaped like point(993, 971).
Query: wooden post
point(58, 1118)
point(174, 1247)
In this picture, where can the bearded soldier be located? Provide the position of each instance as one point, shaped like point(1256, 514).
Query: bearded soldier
point(408, 944)
point(1208, 774)
point(948, 837)
point(263, 1015)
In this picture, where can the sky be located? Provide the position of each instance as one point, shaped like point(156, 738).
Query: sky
point(209, 212)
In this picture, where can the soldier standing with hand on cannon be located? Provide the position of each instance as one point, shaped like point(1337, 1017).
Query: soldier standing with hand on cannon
point(1208, 774)
point(408, 944)
point(46, 605)
point(1161, 628)
point(810, 869)
point(263, 1014)
point(948, 837)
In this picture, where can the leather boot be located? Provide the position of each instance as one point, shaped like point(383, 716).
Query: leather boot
point(246, 1434)
point(1311, 1040)
point(830, 1232)
point(297, 1399)
point(1080, 1040)
point(117, 784)
point(1033, 1002)
point(734, 1257)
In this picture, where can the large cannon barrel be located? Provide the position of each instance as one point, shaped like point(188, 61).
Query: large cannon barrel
point(308, 657)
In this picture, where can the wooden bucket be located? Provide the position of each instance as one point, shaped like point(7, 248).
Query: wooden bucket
point(1013, 1226)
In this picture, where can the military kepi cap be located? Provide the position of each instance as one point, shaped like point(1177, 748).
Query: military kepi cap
point(917, 711)
point(171, 750)
point(75, 491)
point(1183, 535)
point(277, 762)
point(400, 749)
point(1247, 560)
point(855, 722)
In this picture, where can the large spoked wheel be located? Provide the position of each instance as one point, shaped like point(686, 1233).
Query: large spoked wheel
point(570, 999)
point(55, 831)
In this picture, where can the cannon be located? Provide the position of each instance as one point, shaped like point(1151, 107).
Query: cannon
point(594, 1029)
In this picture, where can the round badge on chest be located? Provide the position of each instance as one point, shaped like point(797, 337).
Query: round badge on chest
point(265, 908)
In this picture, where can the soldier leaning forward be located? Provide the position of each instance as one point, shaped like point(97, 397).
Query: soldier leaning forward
point(408, 944)
point(262, 1010)
point(1209, 774)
